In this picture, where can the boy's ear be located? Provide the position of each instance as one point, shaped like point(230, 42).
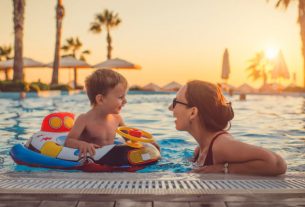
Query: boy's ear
point(99, 98)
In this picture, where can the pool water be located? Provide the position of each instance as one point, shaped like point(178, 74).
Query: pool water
point(273, 122)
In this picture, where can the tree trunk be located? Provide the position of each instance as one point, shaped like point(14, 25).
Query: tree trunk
point(59, 17)
point(75, 78)
point(301, 21)
point(109, 48)
point(19, 6)
point(264, 78)
point(6, 74)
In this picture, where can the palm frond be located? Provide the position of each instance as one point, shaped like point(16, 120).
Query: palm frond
point(5, 52)
point(82, 58)
point(70, 41)
point(100, 18)
point(78, 42)
point(87, 52)
point(283, 3)
point(257, 66)
point(95, 27)
point(251, 67)
point(68, 55)
point(65, 48)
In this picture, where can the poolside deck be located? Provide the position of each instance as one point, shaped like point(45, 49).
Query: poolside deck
point(154, 189)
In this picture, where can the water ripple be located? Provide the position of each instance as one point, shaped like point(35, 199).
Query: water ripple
point(274, 122)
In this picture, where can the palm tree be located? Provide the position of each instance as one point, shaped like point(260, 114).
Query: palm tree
point(108, 20)
point(19, 6)
point(5, 54)
point(301, 21)
point(258, 67)
point(72, 46)
point(60, 12)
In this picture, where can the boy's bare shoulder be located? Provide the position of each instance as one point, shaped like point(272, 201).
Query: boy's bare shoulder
point(82, 117)
point(117, 117)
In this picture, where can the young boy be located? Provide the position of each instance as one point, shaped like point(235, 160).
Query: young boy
point(106, 90)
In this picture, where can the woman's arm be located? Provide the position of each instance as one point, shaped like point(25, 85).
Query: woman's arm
point(244, 159)
point(272, 167)
point(248, 159)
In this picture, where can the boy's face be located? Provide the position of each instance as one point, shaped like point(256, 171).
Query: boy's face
point(115, 99)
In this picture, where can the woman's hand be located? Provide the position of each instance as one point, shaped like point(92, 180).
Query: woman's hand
point(217, 168)
point(196, 154)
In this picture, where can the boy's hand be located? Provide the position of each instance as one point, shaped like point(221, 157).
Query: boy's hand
point(85, 148)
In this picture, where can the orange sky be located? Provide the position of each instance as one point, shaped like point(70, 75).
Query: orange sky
point(172, 39)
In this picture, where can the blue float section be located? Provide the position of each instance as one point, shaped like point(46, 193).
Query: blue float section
point(22, 154)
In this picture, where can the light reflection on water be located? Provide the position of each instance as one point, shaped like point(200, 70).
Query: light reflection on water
point(273, 122)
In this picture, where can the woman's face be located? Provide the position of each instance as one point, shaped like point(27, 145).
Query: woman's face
point(180, 110)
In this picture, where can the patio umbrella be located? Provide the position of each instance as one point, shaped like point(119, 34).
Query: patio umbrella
point(71, 62)
point(172, 86)
point(117, 63)
point(151, 87)
point(246, 88)
point(27, 63)
point(225, 72)
point(280, 69)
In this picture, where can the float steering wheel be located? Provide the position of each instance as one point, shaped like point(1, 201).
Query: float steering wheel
point(135, 136)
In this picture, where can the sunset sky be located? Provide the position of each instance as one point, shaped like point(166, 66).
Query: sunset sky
point(171, 39)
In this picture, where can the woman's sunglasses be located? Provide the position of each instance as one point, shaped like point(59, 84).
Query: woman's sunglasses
point(179, 102)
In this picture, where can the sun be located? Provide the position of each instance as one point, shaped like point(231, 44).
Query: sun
point(271, 53)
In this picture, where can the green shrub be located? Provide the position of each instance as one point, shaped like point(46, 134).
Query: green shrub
point(294, 89)
point(61, 87)
point(14, 86)
point(41, 86)
point(34, 88)
point(79, 87)
point(135, 88)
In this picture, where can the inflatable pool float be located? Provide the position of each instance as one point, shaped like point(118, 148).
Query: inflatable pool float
point(46, 149)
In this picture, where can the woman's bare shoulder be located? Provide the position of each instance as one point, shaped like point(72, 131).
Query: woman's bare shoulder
point(224, 141)
point(225, 138)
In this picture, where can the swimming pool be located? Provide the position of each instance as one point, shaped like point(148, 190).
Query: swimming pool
point(274, 122)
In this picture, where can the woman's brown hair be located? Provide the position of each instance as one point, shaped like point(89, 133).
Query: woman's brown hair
point(213, 110)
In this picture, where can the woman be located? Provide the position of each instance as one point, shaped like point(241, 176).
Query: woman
point(201, 109)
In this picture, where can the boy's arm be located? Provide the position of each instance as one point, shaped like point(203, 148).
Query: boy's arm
point(74, 135)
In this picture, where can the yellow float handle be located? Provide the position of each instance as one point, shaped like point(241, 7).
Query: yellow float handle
point(146, 137)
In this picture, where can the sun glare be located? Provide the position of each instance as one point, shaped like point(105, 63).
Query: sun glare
point(271, 53)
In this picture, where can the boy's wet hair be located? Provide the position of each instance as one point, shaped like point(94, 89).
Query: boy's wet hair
point(101, 81)
point(215, 113)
